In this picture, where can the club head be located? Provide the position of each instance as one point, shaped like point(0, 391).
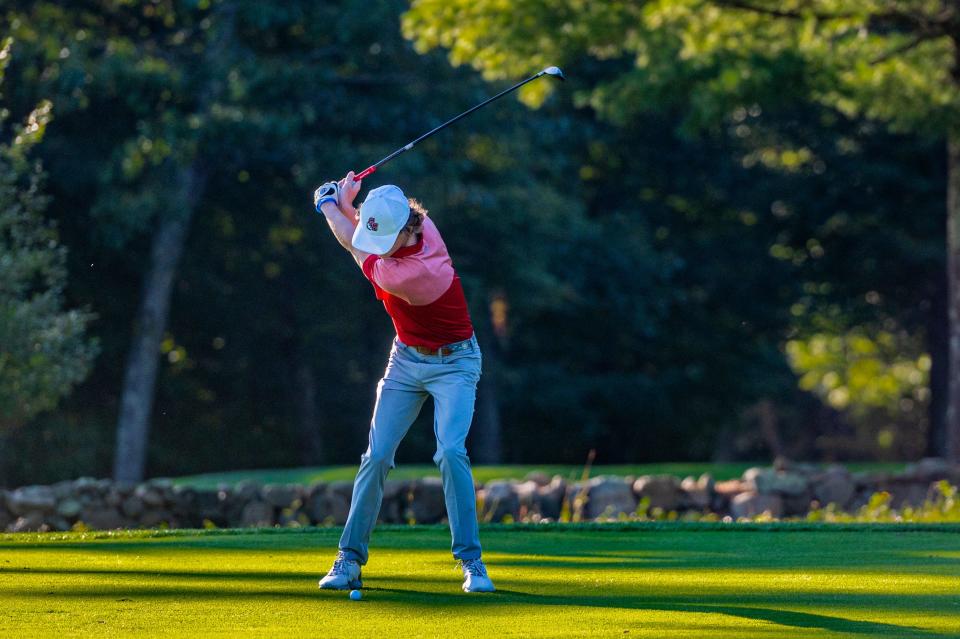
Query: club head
point(555, 72)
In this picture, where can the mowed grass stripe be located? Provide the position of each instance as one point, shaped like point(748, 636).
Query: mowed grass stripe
point(569, 582)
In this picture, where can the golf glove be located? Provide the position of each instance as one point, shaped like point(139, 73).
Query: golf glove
point(329, 192)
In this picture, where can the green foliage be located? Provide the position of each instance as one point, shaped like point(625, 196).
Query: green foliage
point(645, 279)
point(879, 58)
point(44, 350)
point(774, 79)
point(859, 371)
point(942, 506)
point(881, 381)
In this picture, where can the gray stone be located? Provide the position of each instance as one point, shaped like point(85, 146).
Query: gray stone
point(314, 488)
point(767, 481)
point(163, 485)
point(106, 518)
point(154, 518)
point(752, 504)
point(541, 501)
point(394, 504)
point(794, 505)
point(528, 497)
point(31, 522)
point(231, 507)
point(906, 493)
point(551, 496)
point(316, 506)
point(426, 501)
point(62, 489)
point(56, 522)
point(184, 500)
point(69, 508)
point(609, 497)
point(576, 497)
point(500, 501)
point(113, 498)
point(280, 495)
point(257, 514)
point(698, 494)
point(150, 495)
point(207, 506)
point(339, 494)
point(31, 499)
point(85, 485)
point(538, 477)
point(730, 487)
point(247, 490)
point(870, 480)
point(930, 469)
point(118, 492)
point(132, 507)
point(834, 488)
point(663, 491)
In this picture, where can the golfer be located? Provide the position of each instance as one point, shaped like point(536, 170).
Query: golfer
point(435, 353)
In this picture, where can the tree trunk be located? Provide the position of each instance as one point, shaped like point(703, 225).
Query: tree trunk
point(767, 419)
point(136, 403)
point(953, 295)
point(4, 457)
point(308, 419)
point(486, 446)
point(938, 345)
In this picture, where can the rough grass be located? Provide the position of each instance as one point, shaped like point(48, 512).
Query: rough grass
point(484, 474)
point(646, 580)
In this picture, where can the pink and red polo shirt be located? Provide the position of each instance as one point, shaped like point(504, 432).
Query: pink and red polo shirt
point(422, 292)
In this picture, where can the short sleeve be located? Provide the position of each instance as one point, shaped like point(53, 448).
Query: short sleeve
point(368, 266)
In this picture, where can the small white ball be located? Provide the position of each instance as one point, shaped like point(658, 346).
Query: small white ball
point(356, 595)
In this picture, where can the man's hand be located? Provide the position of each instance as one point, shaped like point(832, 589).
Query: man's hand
point(348, 193)
point(329, 192)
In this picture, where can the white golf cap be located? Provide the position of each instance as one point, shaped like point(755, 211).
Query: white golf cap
point(382, 216)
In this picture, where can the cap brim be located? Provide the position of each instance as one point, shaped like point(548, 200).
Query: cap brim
point(365, 241)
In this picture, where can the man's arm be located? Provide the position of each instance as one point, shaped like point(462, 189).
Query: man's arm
point(342, 227)
point(342, 217)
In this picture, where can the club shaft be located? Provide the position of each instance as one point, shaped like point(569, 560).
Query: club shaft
point(426, 135)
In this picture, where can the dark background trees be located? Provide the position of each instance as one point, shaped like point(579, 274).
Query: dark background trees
point(643, 282)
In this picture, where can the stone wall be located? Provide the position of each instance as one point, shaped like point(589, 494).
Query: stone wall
point(785, 490)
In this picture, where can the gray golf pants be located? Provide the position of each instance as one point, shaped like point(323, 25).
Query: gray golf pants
point(409, 378)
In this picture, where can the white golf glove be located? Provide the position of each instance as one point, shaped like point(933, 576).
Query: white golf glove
point(329, 192)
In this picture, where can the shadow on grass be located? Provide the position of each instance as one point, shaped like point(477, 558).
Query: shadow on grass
point(545, 558)
point(435, 593)
point(790, 618)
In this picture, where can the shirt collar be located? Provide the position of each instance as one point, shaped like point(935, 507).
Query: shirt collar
point(405, 251)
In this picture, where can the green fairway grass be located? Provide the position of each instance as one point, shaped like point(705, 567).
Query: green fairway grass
point(484, 474)
point(655, 580)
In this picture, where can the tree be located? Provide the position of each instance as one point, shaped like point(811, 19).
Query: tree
point(44, 350)
point(891, 61)
point(189, 91)
point(263, 315)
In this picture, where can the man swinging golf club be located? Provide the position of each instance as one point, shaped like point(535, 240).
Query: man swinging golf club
point(435, 353)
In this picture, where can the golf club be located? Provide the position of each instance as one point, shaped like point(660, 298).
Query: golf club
point(554, 71)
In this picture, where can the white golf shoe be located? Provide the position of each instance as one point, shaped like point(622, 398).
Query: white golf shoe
point(475, 577)
point(345, 575)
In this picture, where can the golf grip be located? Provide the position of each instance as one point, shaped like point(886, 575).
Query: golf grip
point(364, 173)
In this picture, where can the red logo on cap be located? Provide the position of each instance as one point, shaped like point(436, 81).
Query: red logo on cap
point(372, 224)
